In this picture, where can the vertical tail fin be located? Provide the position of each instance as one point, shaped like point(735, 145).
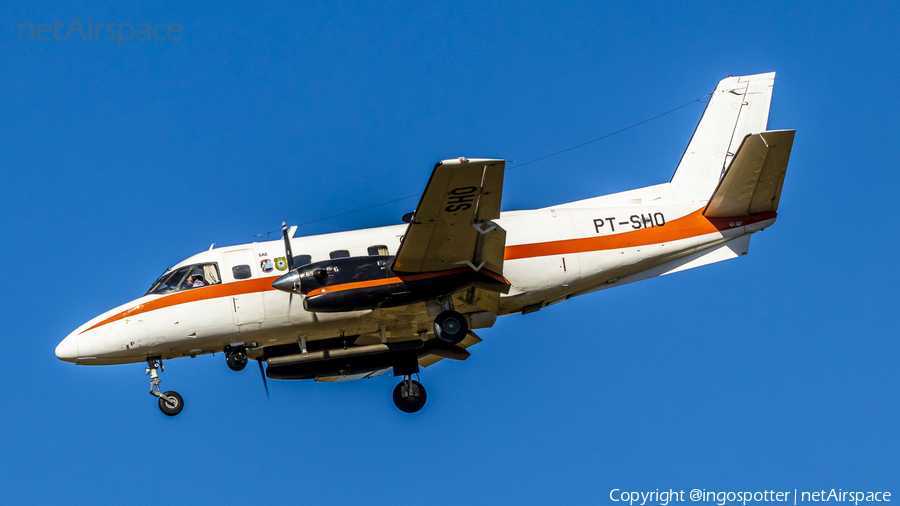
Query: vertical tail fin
point(739, 106)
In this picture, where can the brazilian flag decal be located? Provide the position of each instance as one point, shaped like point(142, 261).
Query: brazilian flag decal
point(281, 263)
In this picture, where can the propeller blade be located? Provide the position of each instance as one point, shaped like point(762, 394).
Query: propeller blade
point(261, 371)
point(287, 246)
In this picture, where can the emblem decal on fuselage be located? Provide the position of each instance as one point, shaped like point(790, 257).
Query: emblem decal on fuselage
point(267, 265)
point(281, 263)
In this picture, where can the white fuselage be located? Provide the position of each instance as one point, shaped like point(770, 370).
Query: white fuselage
point(551, 255)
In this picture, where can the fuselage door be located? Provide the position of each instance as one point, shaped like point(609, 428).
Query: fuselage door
point(247, 308)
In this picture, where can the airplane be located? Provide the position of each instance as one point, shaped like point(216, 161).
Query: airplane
point(397, 299)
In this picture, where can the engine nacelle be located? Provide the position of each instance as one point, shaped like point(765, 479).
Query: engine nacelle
point(361, 283)
point(346, 284)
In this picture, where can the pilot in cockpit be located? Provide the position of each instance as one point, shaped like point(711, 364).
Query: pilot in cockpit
point(195, 280)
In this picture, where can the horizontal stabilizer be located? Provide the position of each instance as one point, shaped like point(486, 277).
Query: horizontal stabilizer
point(752, 184)
point(727, 251)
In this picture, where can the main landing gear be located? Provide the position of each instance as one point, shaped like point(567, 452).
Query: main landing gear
point(409, 395)
point(170, 403)
point(236, 357)
point(450, 326)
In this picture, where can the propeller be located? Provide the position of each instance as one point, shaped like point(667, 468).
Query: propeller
point(289, 256)
point(287, 246)
point(263, 373)
point(290, 261)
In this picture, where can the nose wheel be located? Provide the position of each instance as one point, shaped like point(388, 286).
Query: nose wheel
point(409, 395)
point(170, 403)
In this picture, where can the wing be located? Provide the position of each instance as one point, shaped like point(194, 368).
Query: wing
point(452, 224)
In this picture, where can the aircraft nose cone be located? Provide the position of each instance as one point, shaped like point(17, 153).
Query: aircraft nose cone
point(290, 282)
point(67, 350)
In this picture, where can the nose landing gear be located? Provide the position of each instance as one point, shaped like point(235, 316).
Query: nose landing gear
point(236, 357)
point(170, 403)
point(409, 395)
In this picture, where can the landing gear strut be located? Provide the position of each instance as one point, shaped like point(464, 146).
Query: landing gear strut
point(409, 395)
point(170, 403)
point(236, 357)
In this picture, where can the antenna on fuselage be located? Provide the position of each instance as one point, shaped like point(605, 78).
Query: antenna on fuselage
point(261, 371)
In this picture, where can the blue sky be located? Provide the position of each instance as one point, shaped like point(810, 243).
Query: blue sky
point(774, 371)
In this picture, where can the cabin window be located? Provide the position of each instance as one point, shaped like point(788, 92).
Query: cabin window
point(186, 278)
point(241, 272)
point(341, 253)
point(378, 250)
point(301, 260)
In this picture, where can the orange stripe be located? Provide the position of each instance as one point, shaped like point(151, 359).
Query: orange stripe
point(428, 275)
point(401, 279)
point(352, 286)
point(691, 225)
point(203, 293)
point(387, 281)
point(495, 276)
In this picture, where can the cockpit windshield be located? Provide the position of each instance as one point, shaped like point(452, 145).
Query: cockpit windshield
point(186, 278)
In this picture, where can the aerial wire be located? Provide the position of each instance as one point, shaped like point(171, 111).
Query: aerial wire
point(516, 166)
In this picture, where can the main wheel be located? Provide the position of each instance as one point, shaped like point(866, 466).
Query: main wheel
point(236, 358)
point(171, 408)
point(409, 400)
point(451, 327)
